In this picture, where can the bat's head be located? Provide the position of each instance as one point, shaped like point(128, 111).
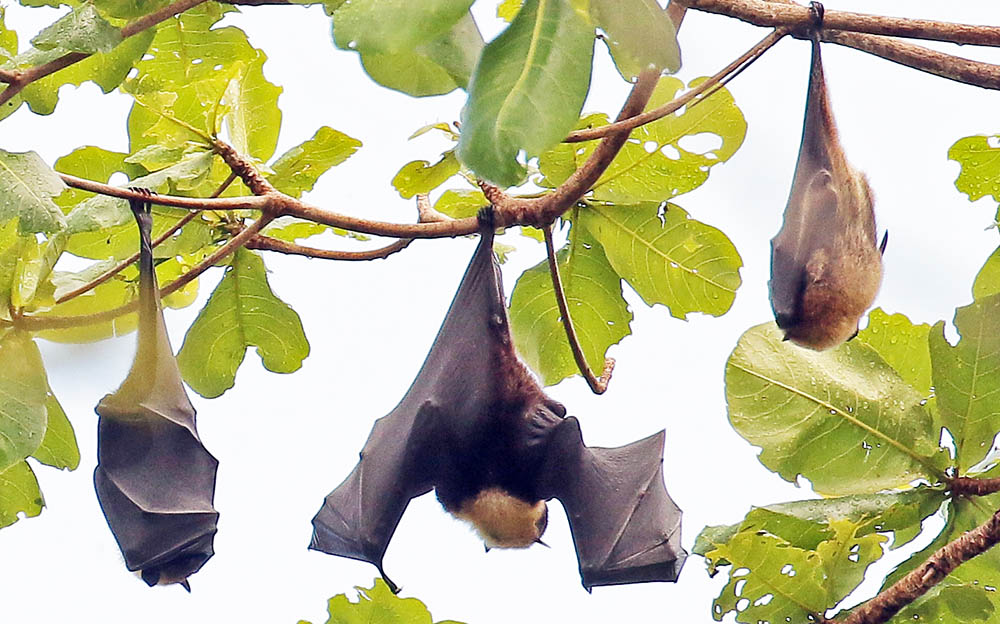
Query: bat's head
point(503, 520)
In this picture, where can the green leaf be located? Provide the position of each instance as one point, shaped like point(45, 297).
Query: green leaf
point(668, 258)
point(377, 604)
point(128, 8)
point(297, 170)
point(107, 70)
point(8, 40)
point(34, 266)
point(242, 312)
point(770, 580)
point(842, 418)
point(58, 448)
point(507, 9)
point(980, 162)
point(23, 395)
point(988, 279)
point(527, 90)
point(11, 243)
point(902, 345)
point(254, 117)
point(847, 556)
point(659, 161)
point(639, 35)
point(82, 30)
point(949, 602)
point(594, 296)
point(419, 176)
point(27, 186)
point(91, 163)
point(393, 26)
point(459, 204)
point(19, 493)
point(966, 380)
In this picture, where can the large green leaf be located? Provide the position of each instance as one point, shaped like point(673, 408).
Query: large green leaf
point(770, 580)
point(58, 448)
point(254, 117)
point(842, 418)
point(297, 170)
point(242, 312)
point(392, 26)
point(980, 161)
point(639, 35)
point(594, 295)
point(27, 186)
point(19, 494)
point(23, 396)
point(81, 30)
point(948, 602)
point(667, 257)
point(902, 345)
point(377, 605)
point(527, 90)
point(658, 162)
point(33, 267)
point(988, 279)
point(806, 523)
point(966, 379)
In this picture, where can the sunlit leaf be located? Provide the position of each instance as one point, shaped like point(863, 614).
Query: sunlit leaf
point(980, 162)
point(254, 117)
point(593, 292)
point(81, 30)
point(988, 279)
point(58, 448)
point(419, 176)
point(23, 395)
point(527, 90)
point(297, 170)
point(459, 204)
point(842, 418)
point(377, 604)
point(34, 264)
point(902, 345)
point(846, 556)
point(27, 187)
point(966, 380)
point(19, 494)
point(668, 258)
point(242, 312)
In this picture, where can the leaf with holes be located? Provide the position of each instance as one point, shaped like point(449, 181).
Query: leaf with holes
point(846, 556)
point(594, 296)
point(27, 187)
point(297, 170)
point(671, 259)
point(843, 418)
point(527, 90)
point(242, 312)
point(966, 380)
point(377, 604)
point(662, 159)
point(770, 580)
point(19, 494)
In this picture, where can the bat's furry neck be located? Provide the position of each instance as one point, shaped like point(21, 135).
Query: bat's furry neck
point(503, 520)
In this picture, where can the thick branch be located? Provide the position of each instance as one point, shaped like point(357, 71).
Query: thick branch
point(763, 13)
point(597, 385)
point(19, 79)
point(931, 572)
point(969, 486)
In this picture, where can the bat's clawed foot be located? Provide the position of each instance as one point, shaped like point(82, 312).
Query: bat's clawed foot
point(486, 217)
point(817, 10)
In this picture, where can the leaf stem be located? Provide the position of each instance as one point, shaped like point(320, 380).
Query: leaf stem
point(598, 385)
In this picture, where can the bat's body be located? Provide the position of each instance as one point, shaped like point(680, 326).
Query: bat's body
point(826, 265)
point(154, 479)
point(476, 426)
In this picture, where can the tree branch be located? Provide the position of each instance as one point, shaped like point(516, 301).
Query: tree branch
point(931, 572)
point(763, 13)
point(659, 112)
point(17, 80)
point(267, 243)
point(969, 486)
point(597, 385)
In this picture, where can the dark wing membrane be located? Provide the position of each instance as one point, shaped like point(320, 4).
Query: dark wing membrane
point(455, 387)
point(625, 526)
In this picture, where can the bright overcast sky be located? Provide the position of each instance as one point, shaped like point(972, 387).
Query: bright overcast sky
point(284, 441)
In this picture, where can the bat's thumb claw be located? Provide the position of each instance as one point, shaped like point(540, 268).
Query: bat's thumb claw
point(539, 541)
point(186, 585)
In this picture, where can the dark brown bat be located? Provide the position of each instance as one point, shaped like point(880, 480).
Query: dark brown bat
point(476, 426)
point(154, 479)
point(826, 264)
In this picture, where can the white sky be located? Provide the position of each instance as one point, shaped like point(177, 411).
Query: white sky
point(284, 441)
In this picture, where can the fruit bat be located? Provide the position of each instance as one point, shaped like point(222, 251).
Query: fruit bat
point(826, 264)
point(476, 427)
point(154, 479)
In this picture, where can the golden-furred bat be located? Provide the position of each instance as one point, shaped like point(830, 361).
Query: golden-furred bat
point(154, 479)
point(476, 427)
point(826, 263)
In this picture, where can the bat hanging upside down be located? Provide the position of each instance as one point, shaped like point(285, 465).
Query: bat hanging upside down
point(826, 263)
point(476, 427)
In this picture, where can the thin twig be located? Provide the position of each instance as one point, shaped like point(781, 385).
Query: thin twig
point(763, 13)
point(890, 601)
point(40, 323)
point(267, 243)
point(18, 79)
point(659, 112)
point(128, 261)
point(597, 384)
